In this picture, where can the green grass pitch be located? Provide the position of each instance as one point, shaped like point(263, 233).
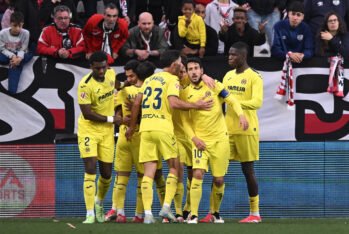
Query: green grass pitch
point(269, 226)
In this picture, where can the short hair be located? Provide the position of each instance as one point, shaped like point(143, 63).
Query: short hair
point(296, 7)
point(17, 17)
point(61, 8)
point(193, 60)
point(145, 69)
point(168, 57)
point(98, 56)
point(131, 65)
point(241, 47)
point(240, 9)
point(111, 6)
point(188, 2)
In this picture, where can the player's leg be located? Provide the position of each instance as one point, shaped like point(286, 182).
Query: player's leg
point(248, 151)
point(187, 205)
point(160, 184)
point(167, 146)
point(196, 194)
point(90, 164)
point(178, 198)
point(219, 161)
point(138, 218)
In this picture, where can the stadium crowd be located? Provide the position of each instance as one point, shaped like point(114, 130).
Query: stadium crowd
point(145, 31)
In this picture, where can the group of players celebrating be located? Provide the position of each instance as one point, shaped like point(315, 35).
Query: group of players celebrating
point(175, 115)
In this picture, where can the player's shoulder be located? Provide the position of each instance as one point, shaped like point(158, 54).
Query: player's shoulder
point(86, 80)
point(255, 73)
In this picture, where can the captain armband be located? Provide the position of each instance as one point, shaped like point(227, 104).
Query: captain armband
point(224, 93)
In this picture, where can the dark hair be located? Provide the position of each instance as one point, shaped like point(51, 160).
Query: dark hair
point(342, 29)
point(110, 6)
point(98, 56)
point(61, 8)
point(188, 2)
point(296, 7)
point(193, 60)
point(241, 47)
point(145, 69)
point(240, 9)
point(131, 65)
point(168, 57)
point(17, 17)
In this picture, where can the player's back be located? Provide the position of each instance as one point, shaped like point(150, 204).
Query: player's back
point(156, 111)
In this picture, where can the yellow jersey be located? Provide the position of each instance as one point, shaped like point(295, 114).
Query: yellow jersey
point(195, 33)
point(127, 94)
point(247, 88)
point(156, 110)
point(207, 125)
point(100, 95)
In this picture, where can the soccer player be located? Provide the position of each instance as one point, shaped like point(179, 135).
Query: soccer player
point(127, 152)
point(209, 137)
point(246, 85)
point(160, 94)
point(96, 132)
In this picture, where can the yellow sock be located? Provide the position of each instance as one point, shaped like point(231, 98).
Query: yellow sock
point(171, 187)
point(89, 191)
point(161, 188)
point(195, 195)
point(102, 187)
point(147, 192)
point(218, 193)
point(120, 191)
point(139, 202)
point(212, 208)
point(178, 198)
point(187, 200)
point(114, 197)
point(254, 205)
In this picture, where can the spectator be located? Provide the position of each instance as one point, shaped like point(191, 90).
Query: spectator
point(211, 35)
point(61, 39)
point(264, 11)
point(202, 2)
point(14, 49)
point(5, 21)
point(30, 10)
point(220, 12)
point(292, 36)
point(127, 10)
point(105, 32)
point(154, 7)
point(191, 28)
point(46, 10)
point(316, 10)
point(332, 38)
point(3, 7)
point(146, 40)
point(240, 30)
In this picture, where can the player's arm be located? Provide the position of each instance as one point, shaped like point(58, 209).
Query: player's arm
point(119, 116)
point(187, 125)
point(136, 108)
point(176, 103)
point(256, 100)
point(93, 116)
point(234, 103)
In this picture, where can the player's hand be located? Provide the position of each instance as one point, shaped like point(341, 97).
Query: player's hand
point(202, 52)
point(204, 105)
point(200, 144)
point(126, 120)
point(129, 133)
point(243, 122)
point(209, 81)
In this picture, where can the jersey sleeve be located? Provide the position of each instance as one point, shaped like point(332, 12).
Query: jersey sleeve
point(120, 98)
point(256, 100)
point(84, 94)
point(173, 88)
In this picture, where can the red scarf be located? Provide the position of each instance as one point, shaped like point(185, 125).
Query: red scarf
point(286, 85)
point(336, 77)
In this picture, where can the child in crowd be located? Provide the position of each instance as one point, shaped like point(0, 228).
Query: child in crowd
point(14, 49)
point(192, 29)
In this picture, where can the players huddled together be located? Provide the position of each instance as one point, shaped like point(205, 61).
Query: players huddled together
point(174, 115)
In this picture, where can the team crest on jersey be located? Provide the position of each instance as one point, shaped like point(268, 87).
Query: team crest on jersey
point(83, 95)
point(336, 2)
point(87, 150)
point(197, 161)
point(207, 94)
point(320, 3)
point(300, 37)
point(243, 81)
